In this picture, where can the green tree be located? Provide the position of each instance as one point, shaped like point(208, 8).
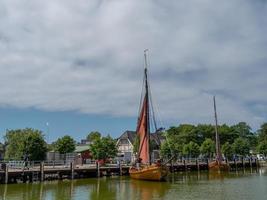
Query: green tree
point(227, 150)
point(94, 135)
point(66, 144)
point(136, 144)
point(262, 132)
point(170, 149)
point(262, 147)
point(22, 142)
point(191, 150)
point(207, 148)
point(104, 148)
point(242, 129)
point(241, 147)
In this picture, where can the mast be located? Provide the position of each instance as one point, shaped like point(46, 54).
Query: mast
point(147, 106)
point(143, 126)
point(217, 139)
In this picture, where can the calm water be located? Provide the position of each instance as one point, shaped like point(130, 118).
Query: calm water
point(241, 185)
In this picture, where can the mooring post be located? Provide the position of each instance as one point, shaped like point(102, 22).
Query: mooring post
point(6, 173)
point(235, 164)
point(257, 163)
point(98, 169)
point(197, 163)
point(42, 171)
point(250, 163)
point(243, 163)
point(72, 170)
point(120, 168)
point(207, 163)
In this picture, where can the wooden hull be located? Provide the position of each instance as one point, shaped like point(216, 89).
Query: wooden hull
point(151, 173)
point(215, 166)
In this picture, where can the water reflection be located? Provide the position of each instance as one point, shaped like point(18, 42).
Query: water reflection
point(191, 185)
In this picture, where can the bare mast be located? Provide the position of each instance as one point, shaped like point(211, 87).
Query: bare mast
point(217, 139)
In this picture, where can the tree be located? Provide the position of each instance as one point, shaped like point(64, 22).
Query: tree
point(94, 135)
point(241, 147)
point(136, 144)
point(25, 142)
point(103, 148)
point(207, 148)
point(242, 129)
point(262, 132)
point(66, 144)
point(262, 148)
point(191, 150)
point(227, 150)
point(170, 149)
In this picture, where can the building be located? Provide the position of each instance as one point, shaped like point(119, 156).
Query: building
point(125, 145)
point(83, 154)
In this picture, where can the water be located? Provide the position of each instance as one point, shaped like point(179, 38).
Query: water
point(191, 185)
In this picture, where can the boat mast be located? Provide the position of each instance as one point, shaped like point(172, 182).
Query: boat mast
point(147, 105)
point(217, 139)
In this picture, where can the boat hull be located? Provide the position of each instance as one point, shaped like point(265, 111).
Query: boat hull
point(150, 173)
point(215, 166)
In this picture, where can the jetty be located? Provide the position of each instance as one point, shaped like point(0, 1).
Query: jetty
point(17, 171)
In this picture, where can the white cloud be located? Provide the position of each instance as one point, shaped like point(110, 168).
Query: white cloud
point(87, 56)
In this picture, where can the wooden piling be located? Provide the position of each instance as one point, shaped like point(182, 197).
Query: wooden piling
point(120, 168)
point(235, 164)
point(185, 167)
point(98, 169)
point(72, 170)
point(243, 163)
point(257, 163)
point(42, 171)
point(197, 163)
point(6, 173)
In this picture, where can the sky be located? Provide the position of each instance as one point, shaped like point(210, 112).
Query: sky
point(78, 64)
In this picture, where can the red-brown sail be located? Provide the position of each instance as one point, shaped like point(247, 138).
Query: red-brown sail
point(142, 132)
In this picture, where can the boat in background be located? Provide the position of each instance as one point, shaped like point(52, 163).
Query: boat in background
point(218, 164)
point(143, 168)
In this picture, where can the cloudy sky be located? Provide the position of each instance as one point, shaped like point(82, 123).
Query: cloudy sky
point(78, 64)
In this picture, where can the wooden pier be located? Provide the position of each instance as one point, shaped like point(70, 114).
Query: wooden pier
point(41, 171)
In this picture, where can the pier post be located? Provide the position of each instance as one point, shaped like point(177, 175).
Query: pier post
point(207, 163)
point(243, 163)
point(257, 163)
point(120, 168)
point(185, 165)
point(250, 163)
point(98, 169)
point(6, 173)
point(197, 163)
point(42, 171)
point(72, 170)
point(235, 164)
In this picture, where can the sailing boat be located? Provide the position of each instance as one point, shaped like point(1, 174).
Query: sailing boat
point(218, 164)
point(144, 169)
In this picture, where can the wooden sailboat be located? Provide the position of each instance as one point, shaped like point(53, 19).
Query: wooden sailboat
point(218, 164)
point(144, 169)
